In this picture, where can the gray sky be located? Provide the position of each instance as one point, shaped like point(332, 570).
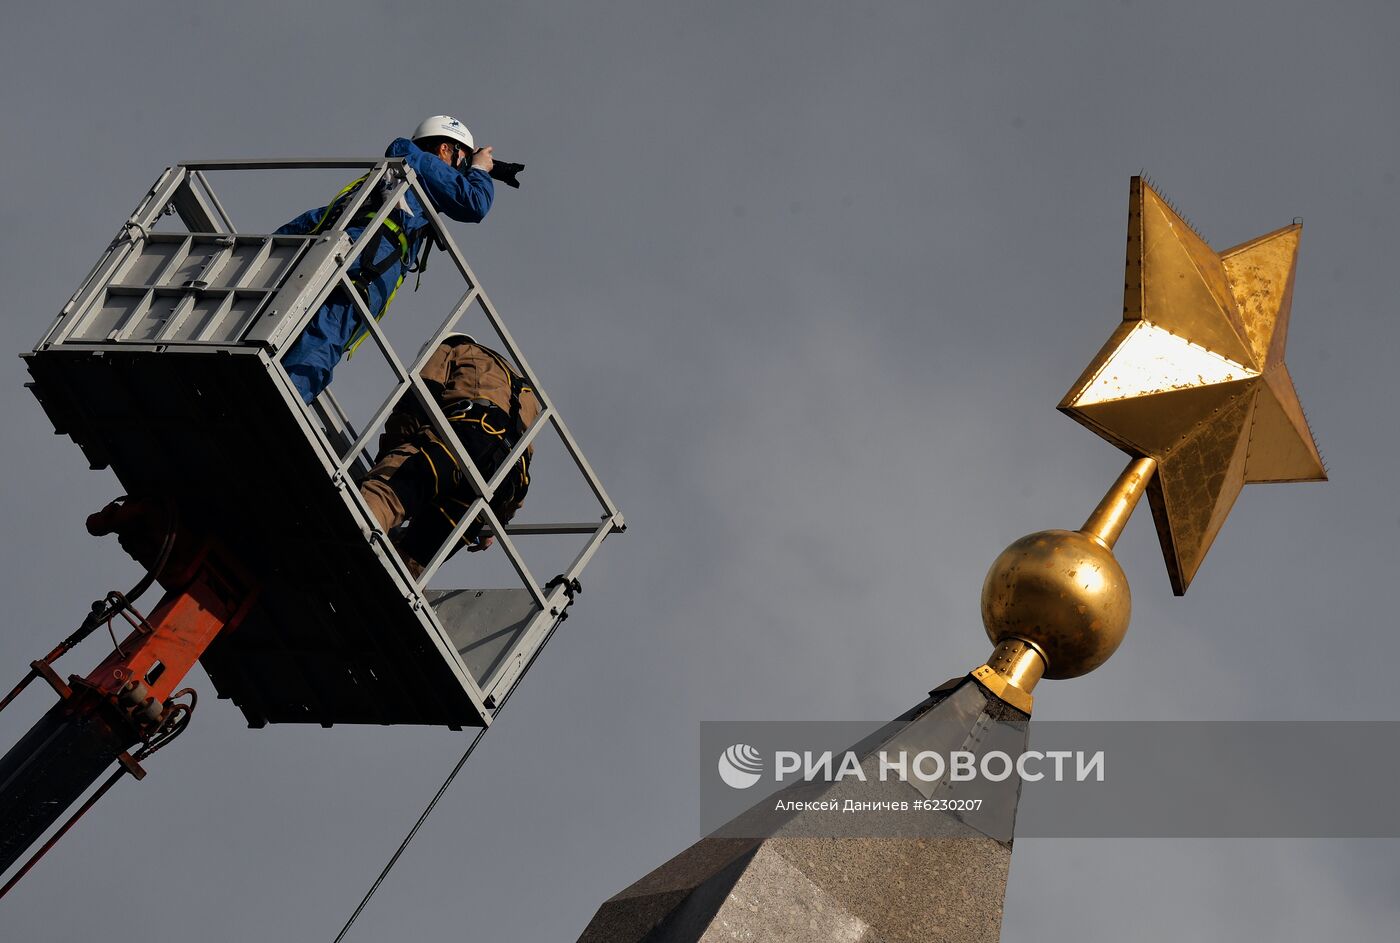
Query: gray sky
point(807, 281)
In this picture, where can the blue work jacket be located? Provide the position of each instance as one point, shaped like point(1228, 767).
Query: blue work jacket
point(465, 197)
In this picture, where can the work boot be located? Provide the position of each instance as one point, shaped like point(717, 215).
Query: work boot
point(415, 569)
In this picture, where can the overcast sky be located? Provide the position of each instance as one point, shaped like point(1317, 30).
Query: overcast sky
point(807, 281)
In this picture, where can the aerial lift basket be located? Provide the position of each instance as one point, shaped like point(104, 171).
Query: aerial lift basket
point(164, 366)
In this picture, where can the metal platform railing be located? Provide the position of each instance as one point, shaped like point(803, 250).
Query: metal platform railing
point(213, 290)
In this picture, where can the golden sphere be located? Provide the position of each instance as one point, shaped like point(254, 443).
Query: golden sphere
point(1062, 591)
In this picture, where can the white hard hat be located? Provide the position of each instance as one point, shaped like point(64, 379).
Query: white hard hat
point(444, 126)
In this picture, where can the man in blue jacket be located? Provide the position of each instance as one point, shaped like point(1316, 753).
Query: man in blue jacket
point(455, 175)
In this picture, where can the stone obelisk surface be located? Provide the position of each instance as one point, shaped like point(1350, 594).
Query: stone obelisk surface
point(803, 885)
point(1192, 385)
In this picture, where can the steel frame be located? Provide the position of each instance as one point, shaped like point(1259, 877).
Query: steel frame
point(184, 189)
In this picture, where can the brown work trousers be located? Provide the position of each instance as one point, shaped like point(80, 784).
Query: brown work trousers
point(416, 479)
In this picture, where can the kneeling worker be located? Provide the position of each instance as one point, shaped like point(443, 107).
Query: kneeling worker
point(415, 477)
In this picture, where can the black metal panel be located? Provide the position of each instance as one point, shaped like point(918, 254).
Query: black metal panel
point(42, 775)
point(333, 638)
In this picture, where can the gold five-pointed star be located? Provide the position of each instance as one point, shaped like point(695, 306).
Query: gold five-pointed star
point(1194, 376)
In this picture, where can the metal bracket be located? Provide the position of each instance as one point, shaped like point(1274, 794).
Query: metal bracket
point(44, 670)
point(1002, 689)
point(131, 766)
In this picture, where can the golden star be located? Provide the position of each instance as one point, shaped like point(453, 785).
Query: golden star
point(1194, 376)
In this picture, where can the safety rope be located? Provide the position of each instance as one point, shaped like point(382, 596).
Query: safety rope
point(432, 803)
point(394, 859)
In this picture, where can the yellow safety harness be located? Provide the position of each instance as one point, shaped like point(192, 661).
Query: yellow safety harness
point(371, 270)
